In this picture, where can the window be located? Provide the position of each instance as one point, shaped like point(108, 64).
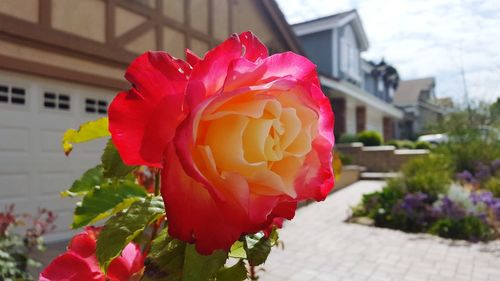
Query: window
point(96, 106)
point(350, 54)
point(52, 100)
point(391, 92)
point(12, 95)
point(380, 84)
point(4, 94)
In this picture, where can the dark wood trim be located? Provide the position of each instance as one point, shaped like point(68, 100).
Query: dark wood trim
point(136, 7)
point(61, 51)
point(134, 33)
point(45, 12)
point(62, 40)
point(110, 21)
point(29, 67)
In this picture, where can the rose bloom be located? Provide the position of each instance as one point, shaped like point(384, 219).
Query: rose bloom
point(79, 263)
point(240, 136)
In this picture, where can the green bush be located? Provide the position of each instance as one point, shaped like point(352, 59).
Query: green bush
point(422, 145)
point(345, 159)
point(493, 185)
point(466, 155)
point(378, 205)
point(394, 143)
point(406, 144)
point(347, 138)
point(429, 174)
point(370, 138)
point(469, 228)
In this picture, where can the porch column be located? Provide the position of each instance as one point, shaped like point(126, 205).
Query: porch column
point(339, 109)
point(388, 127)
point(360, 118)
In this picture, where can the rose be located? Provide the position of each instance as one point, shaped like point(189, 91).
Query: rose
point(79, 263)
point(241, 137)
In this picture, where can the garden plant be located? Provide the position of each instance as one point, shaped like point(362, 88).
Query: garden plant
point(454, 192)
point(206, 159)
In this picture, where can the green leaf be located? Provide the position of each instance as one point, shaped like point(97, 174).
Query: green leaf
point(173, 260)
point(91, 178)
point(106, 200)
point(237, 272)
point(258, 248)
point(199, 267)
point(165, 259)
point(124, 227)
point(238, 250)
point(88, 131)
point(113, 164)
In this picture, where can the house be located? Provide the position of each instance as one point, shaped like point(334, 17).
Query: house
point(421, 107)
point(62, 61)
point(361, 92)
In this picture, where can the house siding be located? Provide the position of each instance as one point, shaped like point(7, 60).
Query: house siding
point(317, 47)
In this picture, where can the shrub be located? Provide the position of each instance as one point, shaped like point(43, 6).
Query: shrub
point(394, 143)
point(378, 205)
point(493, 185)
point(370, 138)
point(15, 248)
point(469, 228)
point(422, 145)
point(347, 138)
point(429, 174)
point(406, 144)
point(344, 159)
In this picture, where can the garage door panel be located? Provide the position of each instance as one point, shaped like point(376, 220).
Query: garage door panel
point(63, 223)
point(55, 182)
point(33, 167)
point(22, 205)
point(14, 185)
point(14, 162)
point(56, 203)
point(50, 141)
point(14, 140)
point(14, 119)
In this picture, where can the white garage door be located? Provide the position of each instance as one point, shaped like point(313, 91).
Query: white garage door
point(34, 113)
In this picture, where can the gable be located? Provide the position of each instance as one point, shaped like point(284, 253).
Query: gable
point(337, 21)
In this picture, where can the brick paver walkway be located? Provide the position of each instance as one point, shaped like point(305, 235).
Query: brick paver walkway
point(320, 246)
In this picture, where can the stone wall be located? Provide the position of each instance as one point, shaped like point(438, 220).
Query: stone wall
point(379, 158)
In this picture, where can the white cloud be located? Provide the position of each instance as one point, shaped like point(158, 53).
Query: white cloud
point(426, 38)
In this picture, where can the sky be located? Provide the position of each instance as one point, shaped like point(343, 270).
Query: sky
point(424, 38)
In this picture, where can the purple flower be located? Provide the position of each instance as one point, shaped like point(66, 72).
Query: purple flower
point(483, 172)
point(449, 209)
point(495, 165)
point(465, 176)
point(495, 208)
point(414, 201)
point(485, 197)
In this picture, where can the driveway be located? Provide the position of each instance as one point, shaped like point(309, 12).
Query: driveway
point(320, 246)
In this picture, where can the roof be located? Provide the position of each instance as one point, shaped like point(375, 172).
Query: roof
point(332, 18)
point(332, 22)
point(285, 30)
point(408, 92)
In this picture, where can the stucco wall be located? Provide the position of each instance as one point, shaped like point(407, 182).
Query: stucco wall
point(374, 120)
point(374, 117)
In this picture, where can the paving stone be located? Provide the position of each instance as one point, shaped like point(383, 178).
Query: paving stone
point(319, 245)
